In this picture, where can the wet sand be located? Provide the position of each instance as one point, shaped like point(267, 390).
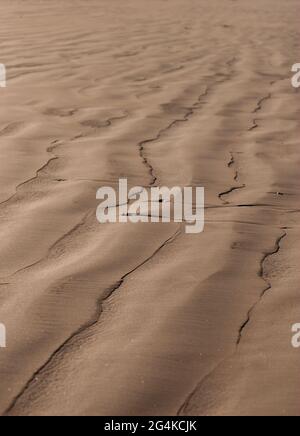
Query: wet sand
point(144, 319)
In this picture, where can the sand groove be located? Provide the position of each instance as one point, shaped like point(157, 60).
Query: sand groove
point(87, 326)
point(143, 319)
point(264, 277)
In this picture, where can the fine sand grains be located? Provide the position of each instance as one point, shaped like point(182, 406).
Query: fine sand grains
point(143, 319)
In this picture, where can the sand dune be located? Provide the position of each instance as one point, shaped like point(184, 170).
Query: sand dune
point(143, 319)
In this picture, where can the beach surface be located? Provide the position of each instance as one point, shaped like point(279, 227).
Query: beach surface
point(144, 319)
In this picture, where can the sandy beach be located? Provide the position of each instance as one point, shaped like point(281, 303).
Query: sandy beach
point(143, 319)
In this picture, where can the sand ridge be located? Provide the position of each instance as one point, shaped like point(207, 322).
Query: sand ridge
point(142, 319)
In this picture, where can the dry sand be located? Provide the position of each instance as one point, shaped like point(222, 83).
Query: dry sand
point(142, 319)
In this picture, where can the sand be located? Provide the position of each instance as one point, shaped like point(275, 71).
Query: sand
point(143, 319)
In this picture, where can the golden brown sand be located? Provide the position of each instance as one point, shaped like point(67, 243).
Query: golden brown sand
point(143, 319)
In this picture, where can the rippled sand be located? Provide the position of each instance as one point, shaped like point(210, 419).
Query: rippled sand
point(143, 319)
